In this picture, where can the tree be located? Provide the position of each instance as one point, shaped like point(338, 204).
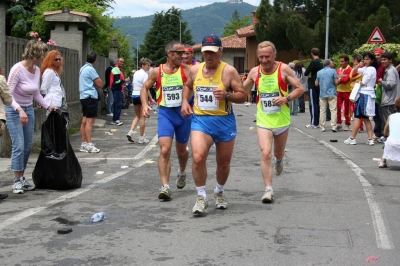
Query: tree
point(236, 23)
point(164, 28)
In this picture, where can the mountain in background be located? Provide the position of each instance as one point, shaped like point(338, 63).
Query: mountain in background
point(201, 20)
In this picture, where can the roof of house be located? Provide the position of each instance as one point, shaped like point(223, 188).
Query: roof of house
point(246, 31)
point(231, 42)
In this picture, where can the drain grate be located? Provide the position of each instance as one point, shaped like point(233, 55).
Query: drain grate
point(313, 237)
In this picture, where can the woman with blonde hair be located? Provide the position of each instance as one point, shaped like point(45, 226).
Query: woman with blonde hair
point(23, 82)
point(51, 87)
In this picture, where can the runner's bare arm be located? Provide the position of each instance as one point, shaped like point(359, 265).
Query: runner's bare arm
point(233, 83)
point(144, 92)
point(249, 82)
point(186, 110)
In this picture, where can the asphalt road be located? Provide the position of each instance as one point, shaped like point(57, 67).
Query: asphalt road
point(333, 206)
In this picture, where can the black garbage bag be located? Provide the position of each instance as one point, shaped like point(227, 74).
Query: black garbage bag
point(57, 166)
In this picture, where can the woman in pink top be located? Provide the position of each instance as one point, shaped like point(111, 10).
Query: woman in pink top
point(23, 81)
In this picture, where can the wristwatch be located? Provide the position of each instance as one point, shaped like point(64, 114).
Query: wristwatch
point(227, 96)
point(288, 98)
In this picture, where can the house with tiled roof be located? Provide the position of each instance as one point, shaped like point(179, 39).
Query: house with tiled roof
point(234, 52)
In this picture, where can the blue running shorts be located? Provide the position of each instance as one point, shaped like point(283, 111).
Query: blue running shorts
point(220, 128)
point(171, 122)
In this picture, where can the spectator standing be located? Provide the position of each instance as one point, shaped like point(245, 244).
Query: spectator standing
point(293, 104)
point(51, 86)
point(392, 132)
point(139, 78)
point(299, 73)
point(343, 92)
point(354, 78)
point(390, 89)
point(89, 82)
point(327, 80)
point(107, 87)
point(365, 105)
point(313, 91)
point(5, 99)
point(117, 82)
point(23, 82)
point(378, 128)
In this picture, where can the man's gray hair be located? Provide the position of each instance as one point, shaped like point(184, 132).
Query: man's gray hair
point(327, 62)
point(170, 46)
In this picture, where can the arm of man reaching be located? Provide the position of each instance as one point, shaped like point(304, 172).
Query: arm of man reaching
point(289, 78)
point(186, 109)
point(251, 78)
point(144, 92)
point(232, 83)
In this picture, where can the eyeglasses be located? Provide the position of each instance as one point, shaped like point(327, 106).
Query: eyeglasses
point(180, 53)
point(57, 59)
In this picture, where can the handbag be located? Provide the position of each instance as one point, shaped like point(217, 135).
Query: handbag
point(355, 92)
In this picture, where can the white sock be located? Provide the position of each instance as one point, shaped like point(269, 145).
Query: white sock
point(201, 191)
point(278, 160)
point(89, 144)
point(166, 185)
point(218, 188)
point(181, 173)
point(84, 143)
point(269, 188)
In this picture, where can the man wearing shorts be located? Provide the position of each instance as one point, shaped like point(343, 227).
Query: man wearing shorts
point(169, 79)
point(216, 85)
point(89, 82)
point(273, 114)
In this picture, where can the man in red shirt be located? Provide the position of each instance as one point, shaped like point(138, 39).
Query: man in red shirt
point(343, 92)
point(378, 128)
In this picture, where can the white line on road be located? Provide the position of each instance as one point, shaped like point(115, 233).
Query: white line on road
point(383, 240)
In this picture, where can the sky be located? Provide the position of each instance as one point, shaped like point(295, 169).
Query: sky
point(141, 8)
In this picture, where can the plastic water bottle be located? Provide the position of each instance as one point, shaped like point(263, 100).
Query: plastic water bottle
point(98, 217)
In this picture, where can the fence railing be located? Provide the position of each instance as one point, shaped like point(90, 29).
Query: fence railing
point(72, 63)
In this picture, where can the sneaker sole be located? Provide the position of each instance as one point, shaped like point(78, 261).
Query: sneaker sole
point(221, 207)
point(130, 138)
point(164, 196)
point(18, 191)
point(83, 150)
point(28, 188)
point(268, 200)
point(198, 212)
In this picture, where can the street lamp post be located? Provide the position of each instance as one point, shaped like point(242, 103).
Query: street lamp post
point(180, 25)
point(137, 51)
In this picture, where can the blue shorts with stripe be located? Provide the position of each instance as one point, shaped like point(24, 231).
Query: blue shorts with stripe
point(220, 128)
point(171, 122)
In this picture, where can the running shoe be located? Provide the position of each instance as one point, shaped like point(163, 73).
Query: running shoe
point(165, 193)
point(117, 123)
point(220, 201)
point(383, 165)
point(268, 196)
point(26, 185)
point(142, 140)
point(370, 142)
point(130, 136)
point(350, 141)
point(17, 188)
point(278, 167)
point(92, 149)
point(181, 181)
point(201, 205)
point(311, 126)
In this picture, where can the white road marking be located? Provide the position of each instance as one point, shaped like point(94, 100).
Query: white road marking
point(383, 240)
point(31, 211)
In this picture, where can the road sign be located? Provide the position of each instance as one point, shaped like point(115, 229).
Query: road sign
point(376, 37)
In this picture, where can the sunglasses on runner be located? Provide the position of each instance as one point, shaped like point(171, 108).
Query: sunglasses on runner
point(180, 53)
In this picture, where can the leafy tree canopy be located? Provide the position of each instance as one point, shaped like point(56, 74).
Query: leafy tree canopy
point(236, 23)
point(165, 27)
point(301, 24)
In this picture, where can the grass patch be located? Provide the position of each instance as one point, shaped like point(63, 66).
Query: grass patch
point(72, 131)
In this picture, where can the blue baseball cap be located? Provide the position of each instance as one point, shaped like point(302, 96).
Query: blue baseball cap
point(211, 43)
